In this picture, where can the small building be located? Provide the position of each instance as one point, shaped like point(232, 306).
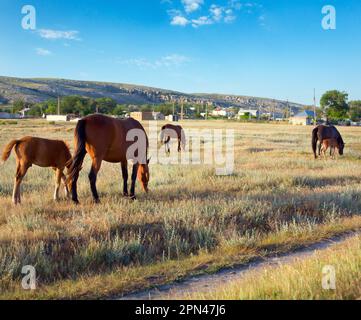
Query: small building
point(6, 115)
point(251, 112)
point(142, 116)
point(304, 118)
point(147, 116)
point(172, 118)
point(220, 112)
point(158, 116)
point(58, 118)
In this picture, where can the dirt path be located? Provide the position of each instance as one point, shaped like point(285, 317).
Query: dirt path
point(206, 283)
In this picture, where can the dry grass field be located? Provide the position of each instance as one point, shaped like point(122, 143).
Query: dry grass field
point(192, 221)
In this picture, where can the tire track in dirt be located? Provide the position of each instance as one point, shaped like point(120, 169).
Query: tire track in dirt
point(206, 283)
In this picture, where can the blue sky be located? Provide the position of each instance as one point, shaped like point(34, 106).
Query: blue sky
point(267, 48)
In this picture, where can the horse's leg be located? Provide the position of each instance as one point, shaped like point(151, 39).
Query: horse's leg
point(20, 174)
point(58, 175)
point(179, 145)
point(125, 178)
point(319, 147)
point(93, 178)
point(134, 178)
point(66, 189)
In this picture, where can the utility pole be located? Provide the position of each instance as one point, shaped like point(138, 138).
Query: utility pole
point(58, 106)
point(314, 105)
point(182, 109)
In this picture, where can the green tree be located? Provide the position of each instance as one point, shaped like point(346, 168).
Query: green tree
point(18, 105)
point(334, 105)
point(355, 110)
point(119, 110)
point(146, 108)
point(166, 109)
point(105, 105)
point(36, 111)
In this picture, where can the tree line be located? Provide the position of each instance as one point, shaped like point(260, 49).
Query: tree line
point(334, 104)
point(336, 107)
point(82, 106)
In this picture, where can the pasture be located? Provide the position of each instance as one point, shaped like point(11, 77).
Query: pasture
point(191, 221)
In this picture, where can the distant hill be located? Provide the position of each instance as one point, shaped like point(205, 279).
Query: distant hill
point(39, 90)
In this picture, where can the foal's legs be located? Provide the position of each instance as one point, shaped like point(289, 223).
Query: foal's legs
point(179, 145)
point(66, 189)
point(333, 153)
point(20, 174)
point(58, 174)
point(125, 178)
point(323, 152)
point(93, 178)
point(134, 178)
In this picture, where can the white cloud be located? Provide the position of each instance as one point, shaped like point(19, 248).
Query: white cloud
point(189, 15)
point(192, 5)
point(202, 21)
point(179, 21)
point(174, 60)
point(57, 34)
point(217, 12)
point(43, 52)
point(169, 61)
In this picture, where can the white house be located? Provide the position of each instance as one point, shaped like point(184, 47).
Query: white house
point(158, 116)
point(57, 118)
point(304, 118)
point(220, 112)
point(251, 112)
point(172, 118)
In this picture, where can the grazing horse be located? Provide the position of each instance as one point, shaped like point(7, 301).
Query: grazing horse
point(170, 131)
point(40, 152)
point(321, 133)
point(111, 140)
point(329, 143)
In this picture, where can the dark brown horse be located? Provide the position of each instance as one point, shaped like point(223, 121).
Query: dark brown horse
point(170, 131)
point(321, 133)
point(114, 141)
point(41, 152)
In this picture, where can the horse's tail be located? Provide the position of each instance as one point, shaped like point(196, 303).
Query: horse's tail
point(314, 141)
point(79, 153)
point(8, 149)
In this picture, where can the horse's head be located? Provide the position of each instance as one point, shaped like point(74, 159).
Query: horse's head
point(143, 175)
point(341, 147)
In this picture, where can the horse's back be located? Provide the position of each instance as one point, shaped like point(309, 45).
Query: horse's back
point(43, 152)
point(106, 137)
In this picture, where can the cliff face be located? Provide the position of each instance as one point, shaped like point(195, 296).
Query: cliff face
point(39, 90)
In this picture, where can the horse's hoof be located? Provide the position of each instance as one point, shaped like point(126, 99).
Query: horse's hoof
point(96, 201)
point(76, 202)
point(125, 194)
point(133, 198)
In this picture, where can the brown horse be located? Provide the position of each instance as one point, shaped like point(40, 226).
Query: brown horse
point(321, 133)
point(331, 144)
point(170, 131)
point(40, 152)
point(114, 141)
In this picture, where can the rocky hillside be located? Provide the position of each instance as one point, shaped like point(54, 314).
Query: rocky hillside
point(38, 90)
